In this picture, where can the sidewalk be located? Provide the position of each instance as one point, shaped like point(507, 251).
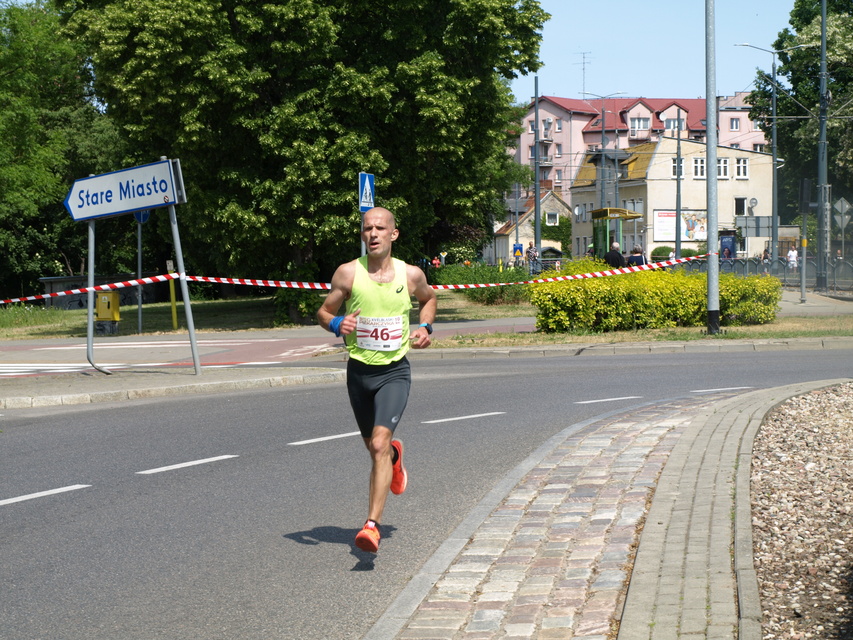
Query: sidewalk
point(639, 518)
point(548, 554)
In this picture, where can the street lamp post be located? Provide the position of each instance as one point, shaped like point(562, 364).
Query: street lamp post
point(774, 238)
point(603, 139)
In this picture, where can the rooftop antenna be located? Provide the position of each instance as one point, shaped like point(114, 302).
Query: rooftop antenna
point(583, 69)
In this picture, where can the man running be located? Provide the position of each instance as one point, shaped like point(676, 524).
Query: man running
point(377, 290)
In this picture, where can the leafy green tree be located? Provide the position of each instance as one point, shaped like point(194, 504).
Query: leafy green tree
point(275, 107)
point(48, 130)
point(798, 100)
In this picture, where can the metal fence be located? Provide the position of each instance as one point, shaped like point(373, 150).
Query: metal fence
point(839, 277)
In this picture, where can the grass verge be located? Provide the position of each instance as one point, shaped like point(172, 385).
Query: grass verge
point(26, 322)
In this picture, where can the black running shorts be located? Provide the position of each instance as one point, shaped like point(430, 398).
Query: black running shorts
point(378, 393)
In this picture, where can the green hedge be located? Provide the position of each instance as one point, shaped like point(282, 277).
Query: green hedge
point(479, 273)
point(648, 300)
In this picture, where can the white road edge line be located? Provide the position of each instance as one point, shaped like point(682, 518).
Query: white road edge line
point(324, 439)
point(185, 464)
point(721, 389)
point(42, 494)
point(608, 399)
point(476, 415)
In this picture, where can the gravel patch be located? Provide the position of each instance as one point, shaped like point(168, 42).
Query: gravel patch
point(802, 510)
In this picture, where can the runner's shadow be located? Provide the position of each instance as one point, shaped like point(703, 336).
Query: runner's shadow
point(341, 535)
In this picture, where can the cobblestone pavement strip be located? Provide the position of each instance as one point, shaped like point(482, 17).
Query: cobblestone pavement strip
point(552, 560)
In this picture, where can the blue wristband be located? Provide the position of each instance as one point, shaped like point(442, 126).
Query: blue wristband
point(335, 325)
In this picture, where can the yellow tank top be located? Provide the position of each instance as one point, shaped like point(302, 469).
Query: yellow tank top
point(382, 335)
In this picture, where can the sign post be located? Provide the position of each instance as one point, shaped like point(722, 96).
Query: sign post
point(842, 207)
point(141, 218)
point(151, 186)
point(366, 198)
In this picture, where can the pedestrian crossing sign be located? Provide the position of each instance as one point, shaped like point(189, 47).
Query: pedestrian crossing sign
point(365, 192)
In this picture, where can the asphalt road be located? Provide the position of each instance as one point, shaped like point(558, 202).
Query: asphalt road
point(256, 540)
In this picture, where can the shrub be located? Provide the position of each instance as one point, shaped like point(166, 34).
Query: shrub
point(296, 306)
point(751, 300)
point(648, 300)
point(479, 273)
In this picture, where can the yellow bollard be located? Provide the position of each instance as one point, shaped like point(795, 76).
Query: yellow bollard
point(174, 304)
point(170, 267)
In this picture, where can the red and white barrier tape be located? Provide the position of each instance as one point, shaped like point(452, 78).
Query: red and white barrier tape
point(580, 276)
point(283, 284)
point(287, 284)
point(100, 287)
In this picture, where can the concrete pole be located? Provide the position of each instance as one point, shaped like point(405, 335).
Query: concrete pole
point(823, 214)
point(537, 209)
point(711, 169)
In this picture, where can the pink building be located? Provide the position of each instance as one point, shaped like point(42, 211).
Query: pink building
point(568, 128)
point(736, 129)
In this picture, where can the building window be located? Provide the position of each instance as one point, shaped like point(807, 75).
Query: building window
point(558, 124)
point(699, 168)
point(734, 124)
point(760, 147)
point(558, 150)
point(672, 124)
point(677, 167)
point(532, 149)
point(552, 218)
point(641, 124)
point(740, 206)
point(742, 168)
point(592, 147)
point(722, 168)
point(558, 177)
point(532, 126)
point(735, 146)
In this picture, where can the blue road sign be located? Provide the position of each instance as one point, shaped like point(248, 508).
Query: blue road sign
point(142, 216)
point(366, 194)
point(112, 194)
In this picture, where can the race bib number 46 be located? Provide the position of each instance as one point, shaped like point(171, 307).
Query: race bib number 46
point(379, 334)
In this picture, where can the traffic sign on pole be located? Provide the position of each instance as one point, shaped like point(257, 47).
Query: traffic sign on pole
point(366, 194)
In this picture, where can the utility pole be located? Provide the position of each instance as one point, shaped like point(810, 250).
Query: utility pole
point(774, 238)
point(711, 178)
point(823, 212)
point(602, 192)
point(537, 212)
point(678, 162)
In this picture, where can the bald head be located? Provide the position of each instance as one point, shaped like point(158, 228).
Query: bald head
point(381, 211)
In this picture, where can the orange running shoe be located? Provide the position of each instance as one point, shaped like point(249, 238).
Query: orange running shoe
point(400, 478)
point(368, 538)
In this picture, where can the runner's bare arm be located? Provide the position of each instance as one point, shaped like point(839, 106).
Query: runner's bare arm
point(425, 295)
point(340, 292)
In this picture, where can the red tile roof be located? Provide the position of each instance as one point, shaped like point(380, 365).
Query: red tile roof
point(693, 108)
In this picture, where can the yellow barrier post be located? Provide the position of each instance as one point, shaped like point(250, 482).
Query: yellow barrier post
point(170, 267)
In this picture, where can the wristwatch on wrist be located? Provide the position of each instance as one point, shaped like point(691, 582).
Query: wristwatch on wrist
point(427, 326)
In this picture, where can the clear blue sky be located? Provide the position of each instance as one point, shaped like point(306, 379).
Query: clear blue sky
point(652, 49)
